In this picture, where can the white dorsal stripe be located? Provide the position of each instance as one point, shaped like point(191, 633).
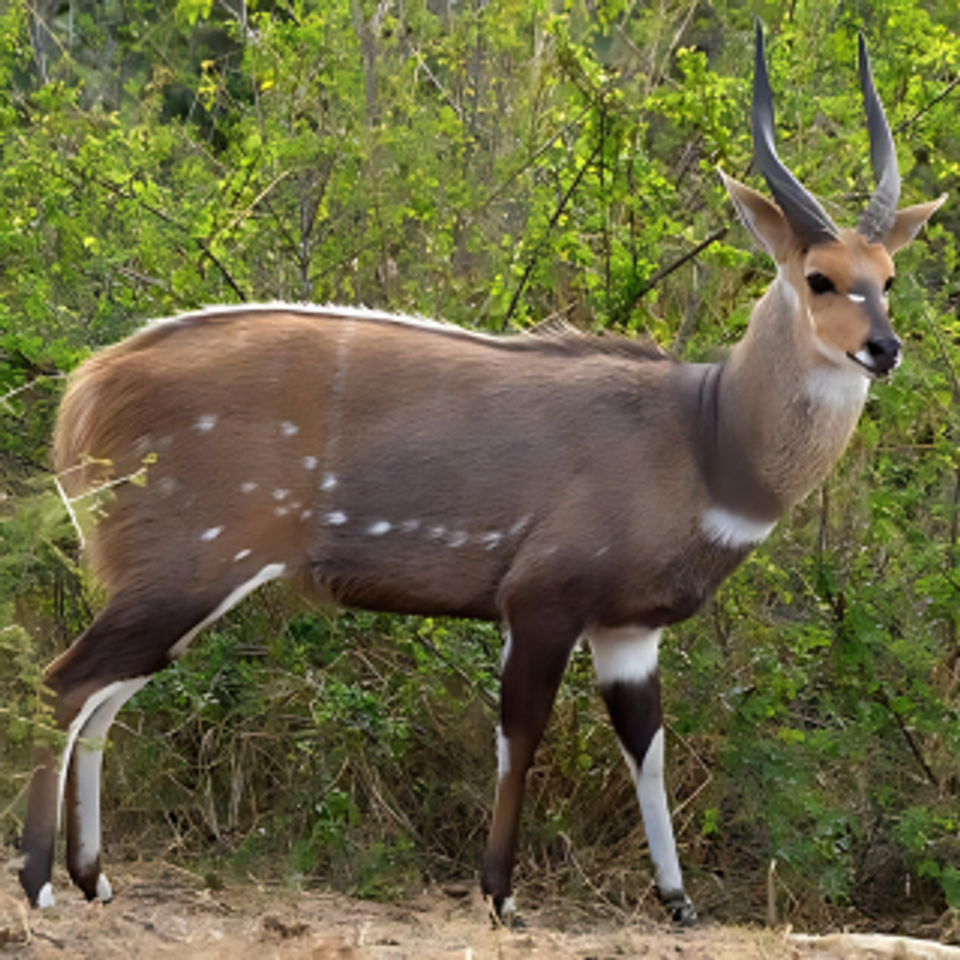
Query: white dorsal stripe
point(728, 529)
point(333, 310)
point(624, 654)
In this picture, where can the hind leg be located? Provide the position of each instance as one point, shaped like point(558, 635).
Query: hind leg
point(82, 794)
point(133, 638)
point(123, 647)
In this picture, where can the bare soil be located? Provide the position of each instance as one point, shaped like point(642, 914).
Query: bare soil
point(163, 911)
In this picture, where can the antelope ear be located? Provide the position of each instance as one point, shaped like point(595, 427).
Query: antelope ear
point(762, 218)
point(908, 223)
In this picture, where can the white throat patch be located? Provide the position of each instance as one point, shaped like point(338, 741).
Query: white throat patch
point(728, 529)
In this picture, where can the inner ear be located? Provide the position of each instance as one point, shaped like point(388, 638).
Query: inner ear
point(908, 223)
point(762, 218)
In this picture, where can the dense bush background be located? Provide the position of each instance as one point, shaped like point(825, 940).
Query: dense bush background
point(495, 164)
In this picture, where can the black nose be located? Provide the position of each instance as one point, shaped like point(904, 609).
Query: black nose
point(884, 353)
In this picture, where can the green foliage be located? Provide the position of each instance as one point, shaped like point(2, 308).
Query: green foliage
point(493, 164)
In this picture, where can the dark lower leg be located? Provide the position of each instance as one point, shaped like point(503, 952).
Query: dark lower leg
point(537, 656)
point(40, 827)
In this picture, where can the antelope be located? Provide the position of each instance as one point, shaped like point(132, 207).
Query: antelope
point(570, 487)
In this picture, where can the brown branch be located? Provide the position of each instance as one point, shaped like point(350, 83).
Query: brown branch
point(884, 701)
point(553, 221)
point(950, 87)
point(665, 272)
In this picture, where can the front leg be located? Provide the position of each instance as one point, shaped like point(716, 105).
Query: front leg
point(625, 660)
point(538, 647)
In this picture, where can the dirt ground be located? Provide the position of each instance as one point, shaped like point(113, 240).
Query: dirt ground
point(161, 911)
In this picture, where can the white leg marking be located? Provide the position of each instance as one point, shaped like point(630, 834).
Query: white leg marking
point(270, 572)
point(104, 890)
point(627, 654)
point(728, 529)
point(73, 731)
point(45, 898)
point(88, 762)
point(503, 753)
point(652, 795)
point(507, 647)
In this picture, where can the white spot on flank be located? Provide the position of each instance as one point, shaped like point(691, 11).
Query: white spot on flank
point(289, 429)
point(379, 528)
point(408, 526)
point(205, 423)
point(329, 482)
point(335, 519)
point(281, 494)
point(458, 539)
point(728, 529)
point(281, 511)
point(211, 534)
point(306, 515)
point(437, 533)
point(625, 654)
point(601, 551)
point(520, 525)
point(310, 463)
point(490, 540)
point(45, 898)
point(248, 486)
point(242, 555)
point(166, 486)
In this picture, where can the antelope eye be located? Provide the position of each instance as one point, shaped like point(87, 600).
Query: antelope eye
point(888, 285)
point(820, 283)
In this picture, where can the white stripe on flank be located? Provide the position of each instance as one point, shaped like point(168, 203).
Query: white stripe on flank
point(270, 572)
point(625, 654)
point(728, 529)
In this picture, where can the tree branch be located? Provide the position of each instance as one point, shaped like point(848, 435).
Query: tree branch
point(553, 221)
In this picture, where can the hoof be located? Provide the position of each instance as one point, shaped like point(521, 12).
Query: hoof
point(681, 910)
point(45, 898)
point(503, 912)
point(104, 890)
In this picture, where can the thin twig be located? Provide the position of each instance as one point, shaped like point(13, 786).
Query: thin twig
point(553, 221)
point(950, 87)
point(665, 272)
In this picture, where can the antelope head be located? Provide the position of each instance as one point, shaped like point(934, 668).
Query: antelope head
point(838, 279)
